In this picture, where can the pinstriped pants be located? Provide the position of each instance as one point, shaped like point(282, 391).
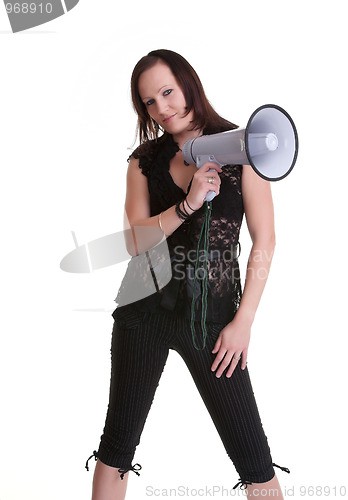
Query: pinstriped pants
point(139, 350)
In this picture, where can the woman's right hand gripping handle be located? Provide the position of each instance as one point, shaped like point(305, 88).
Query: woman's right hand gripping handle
point(201, 186)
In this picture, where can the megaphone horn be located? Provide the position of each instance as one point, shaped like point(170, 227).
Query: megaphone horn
point(269, 143)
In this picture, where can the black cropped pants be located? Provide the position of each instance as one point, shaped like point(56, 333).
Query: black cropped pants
point(139, 350)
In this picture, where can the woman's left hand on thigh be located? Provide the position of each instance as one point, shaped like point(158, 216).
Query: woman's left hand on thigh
point(231, 345)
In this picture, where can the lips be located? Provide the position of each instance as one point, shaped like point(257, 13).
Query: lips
point(166, 120)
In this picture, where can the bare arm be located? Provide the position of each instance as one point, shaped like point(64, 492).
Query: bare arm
point(234, 339)
point(259, 214)
point(137, 214)
point(137, 207)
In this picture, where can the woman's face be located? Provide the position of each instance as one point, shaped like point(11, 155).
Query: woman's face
point(164, 99)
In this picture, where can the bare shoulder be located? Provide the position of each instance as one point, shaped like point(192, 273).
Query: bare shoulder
point(135, 177)
point(254, 185)
point(133, 166)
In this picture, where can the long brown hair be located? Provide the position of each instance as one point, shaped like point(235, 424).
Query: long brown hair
point(204, 116)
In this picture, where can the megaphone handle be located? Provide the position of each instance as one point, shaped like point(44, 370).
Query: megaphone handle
point(200, 161)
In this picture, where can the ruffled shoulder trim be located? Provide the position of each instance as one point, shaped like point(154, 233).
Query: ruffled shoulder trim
point(155, 154)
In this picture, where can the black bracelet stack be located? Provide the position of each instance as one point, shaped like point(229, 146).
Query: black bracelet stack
point(182, 213)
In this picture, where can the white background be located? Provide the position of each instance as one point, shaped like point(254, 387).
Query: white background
point(66, 126)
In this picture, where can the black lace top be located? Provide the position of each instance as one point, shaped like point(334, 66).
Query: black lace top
point(224, 289)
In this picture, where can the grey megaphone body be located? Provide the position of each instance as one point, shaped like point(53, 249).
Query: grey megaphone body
point(269, 143)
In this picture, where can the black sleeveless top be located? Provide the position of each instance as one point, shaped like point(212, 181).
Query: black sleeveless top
point(224, 288)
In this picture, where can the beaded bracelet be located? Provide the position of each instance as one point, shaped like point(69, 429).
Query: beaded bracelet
point(182, 216)
point(182, 213)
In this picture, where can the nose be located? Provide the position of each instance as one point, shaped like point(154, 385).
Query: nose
point(162, 107)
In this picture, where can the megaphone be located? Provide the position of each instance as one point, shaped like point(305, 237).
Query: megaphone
point(269, 143)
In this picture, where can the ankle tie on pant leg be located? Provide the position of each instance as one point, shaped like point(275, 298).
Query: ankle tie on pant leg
point(133, 468)
point(242, 484)
point(95, 455)
point(285, 469)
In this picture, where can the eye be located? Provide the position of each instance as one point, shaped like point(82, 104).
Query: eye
point(168, 91)
point(149, 102)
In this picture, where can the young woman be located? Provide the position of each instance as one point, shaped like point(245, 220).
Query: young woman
point(201, 312)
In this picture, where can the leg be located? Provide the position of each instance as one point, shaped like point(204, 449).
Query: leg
point(138, 356)
point(270, 489)
point(232, 406)
point(107, 484)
